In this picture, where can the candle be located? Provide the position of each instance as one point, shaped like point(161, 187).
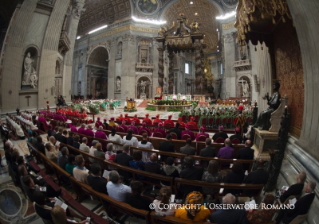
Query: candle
point(286, 110)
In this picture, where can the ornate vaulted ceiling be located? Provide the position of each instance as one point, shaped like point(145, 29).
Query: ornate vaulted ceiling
point(102, 12)
point(206, 17)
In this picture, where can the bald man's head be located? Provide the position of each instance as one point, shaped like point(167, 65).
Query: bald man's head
point(248, 143)
point(227, 141)
point(153, 157)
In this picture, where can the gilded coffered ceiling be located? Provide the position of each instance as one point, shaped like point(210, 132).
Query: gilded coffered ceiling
point(102, 12)
point(201, 11)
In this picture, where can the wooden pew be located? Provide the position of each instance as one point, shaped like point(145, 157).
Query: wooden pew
point(177, 153)
point(179, 181)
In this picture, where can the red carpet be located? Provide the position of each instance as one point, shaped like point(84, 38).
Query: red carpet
point(143, 104)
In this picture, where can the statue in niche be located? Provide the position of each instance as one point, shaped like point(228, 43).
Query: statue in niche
point(245, 90)
point(263, 120)
point(29, 71)
point(119, 50)
point(143, 86)
point(118, 84)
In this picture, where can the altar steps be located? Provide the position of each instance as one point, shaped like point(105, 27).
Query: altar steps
point(143, 104)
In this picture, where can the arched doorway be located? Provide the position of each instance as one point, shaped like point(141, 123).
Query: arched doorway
point(97, 73)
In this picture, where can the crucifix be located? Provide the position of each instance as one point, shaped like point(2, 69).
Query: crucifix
point(28, 99)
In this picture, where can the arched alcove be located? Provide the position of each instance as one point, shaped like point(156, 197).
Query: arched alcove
point(29, 77)
point(97, 73)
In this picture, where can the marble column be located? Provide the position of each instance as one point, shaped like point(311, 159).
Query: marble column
point(74, 18)
point(198, 66)
point(160, 66)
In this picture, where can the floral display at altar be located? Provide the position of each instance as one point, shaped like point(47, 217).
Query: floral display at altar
point(174, 102)
point(95, 106)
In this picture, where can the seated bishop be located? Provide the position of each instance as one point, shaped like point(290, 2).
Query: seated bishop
point(137, 121)
point(147, 120)
point(192, 123)
point(127, 119)
point(122, 126)
point(157, 120)
point(169, 121)
point(133, 127)
point(188, 132)
point(160, 129)
point(143, 129)
point(100, 133)
point(82, 129)
point(74, 129)
point(202, 133)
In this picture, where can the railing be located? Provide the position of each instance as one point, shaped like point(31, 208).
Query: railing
point(242, 65)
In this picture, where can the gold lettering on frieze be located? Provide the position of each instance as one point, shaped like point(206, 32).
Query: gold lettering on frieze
point(228, 26)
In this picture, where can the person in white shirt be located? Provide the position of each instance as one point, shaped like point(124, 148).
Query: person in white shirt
point(115, 138)
point(129, 139)
point(147, 145)
point(80, 173)
point(163, 204)
point(115, 188)
point(84, 146)
point(93, 149)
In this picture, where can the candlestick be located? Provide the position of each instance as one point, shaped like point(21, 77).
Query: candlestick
point(286, 110)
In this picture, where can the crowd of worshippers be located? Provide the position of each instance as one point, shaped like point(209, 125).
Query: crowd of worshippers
point(120, 186)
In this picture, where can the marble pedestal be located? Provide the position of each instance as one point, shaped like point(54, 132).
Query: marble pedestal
point(263, 141)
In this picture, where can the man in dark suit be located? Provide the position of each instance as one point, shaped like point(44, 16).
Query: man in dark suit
point(301, 207)
point(246, 153)
point(176, 130)
point(64, 138)
point(220, 134)
point(166, 146)
point(58, 135)
point(237, 136)
point(188, 149)
point(76, 143)
point(208, 151)
point(234, 216)
point(190, 172)
point(152, 166)
point(123, 159)
point(259, 176)
point(70, 138)
point(39, 145)
point(95, 180)
point(63, 160)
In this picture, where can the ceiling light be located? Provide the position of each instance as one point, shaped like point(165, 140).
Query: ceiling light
point(156, 22)
point(217, 50)
point(217, 30)
point(226, 16)
point(97, 29)
point(195, 13)
point(78, 37)
point(191, 2)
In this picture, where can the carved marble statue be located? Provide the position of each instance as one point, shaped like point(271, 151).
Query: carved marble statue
point(118, 84)
point(28, 70)
point(34, 80)
point(263, 120)
point(143, 86)
point(246, 90)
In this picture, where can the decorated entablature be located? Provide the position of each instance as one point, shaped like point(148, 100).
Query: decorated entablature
point(256, 19)
point(181, 37)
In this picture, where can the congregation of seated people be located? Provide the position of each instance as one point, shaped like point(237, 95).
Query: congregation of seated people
point(120, 186)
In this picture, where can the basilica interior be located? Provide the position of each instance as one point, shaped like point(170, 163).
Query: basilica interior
point(201, 64)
